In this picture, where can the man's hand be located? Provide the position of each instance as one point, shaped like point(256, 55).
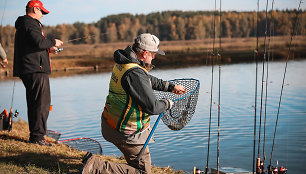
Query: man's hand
point(53, 50)
point(58, 43)
point(4, 62)
point(170, 103)
point(179, 89)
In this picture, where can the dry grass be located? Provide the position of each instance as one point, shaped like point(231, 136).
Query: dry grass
point(19, 156)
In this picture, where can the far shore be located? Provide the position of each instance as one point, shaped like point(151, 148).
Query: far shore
point(99, 57)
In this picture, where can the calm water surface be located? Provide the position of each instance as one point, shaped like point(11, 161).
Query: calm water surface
point(78, 102)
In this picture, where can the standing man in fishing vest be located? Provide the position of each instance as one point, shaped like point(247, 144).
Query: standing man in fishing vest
point(129, 104)
point(32, 64)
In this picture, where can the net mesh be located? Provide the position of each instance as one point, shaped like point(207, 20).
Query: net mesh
point(53, 134)
point(84, 144)
point(184, 105)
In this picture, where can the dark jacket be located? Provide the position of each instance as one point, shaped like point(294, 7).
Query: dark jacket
point(31, 47)
point(140, 85)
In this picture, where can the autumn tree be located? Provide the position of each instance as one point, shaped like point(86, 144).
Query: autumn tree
point(171, 25)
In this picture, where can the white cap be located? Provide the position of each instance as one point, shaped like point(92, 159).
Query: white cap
point(149, 42)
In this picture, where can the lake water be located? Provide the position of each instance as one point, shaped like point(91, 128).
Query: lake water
point(78, 102)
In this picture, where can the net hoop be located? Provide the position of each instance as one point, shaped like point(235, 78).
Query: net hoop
point(184, 105)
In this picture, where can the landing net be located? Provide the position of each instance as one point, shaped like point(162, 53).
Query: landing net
point(184, 105)
point(53, 134)
point(84, 144)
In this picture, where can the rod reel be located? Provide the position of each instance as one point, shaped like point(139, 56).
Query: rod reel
point(6, 119)
point(277, 170)
point(260, 168)
point(11, 115)
point(59, 50)
point(3, 65)
point(197, 171)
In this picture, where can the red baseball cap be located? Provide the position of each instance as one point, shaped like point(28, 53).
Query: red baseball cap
point(39, 4)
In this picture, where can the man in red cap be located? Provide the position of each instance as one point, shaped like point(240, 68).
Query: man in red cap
point(32, 64)
point(38, 4)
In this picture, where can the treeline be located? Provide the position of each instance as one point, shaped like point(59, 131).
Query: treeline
point(171, 25)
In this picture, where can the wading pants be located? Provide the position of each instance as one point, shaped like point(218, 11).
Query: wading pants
point(38, 102)
point(143, 166)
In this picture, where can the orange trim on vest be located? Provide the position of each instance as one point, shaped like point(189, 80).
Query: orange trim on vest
point(126, 111)
point(108, 119)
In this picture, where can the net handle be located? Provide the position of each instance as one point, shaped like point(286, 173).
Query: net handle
point(149, 137)
point(159, 117)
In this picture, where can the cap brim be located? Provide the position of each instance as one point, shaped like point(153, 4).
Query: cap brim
point(44, 11)
point(161, 52)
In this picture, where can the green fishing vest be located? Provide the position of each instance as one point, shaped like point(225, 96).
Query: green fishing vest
point(120, 111)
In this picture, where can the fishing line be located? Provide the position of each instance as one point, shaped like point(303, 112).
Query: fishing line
point(211, 91)
point(12, 101)
point(87, 37)
point(4, 7)
point(287, 127)
point(79, 38)
point(284, 76)
point(256, 74)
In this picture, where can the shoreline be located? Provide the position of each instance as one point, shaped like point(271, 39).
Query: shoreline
point(98, 57)
point(17, 155)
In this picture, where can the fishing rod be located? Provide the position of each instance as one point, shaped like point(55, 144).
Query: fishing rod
point(267, 81)
point(11, 115)
point(72, 40)
point(79, 38)
point(86, 37)
point(284, 77)
point(3, 66)
point(57, 50)
point(211, 92)
point(219, 95)
point(260, 164)
point(256, 74)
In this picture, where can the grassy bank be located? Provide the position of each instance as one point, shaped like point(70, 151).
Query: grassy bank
point(99, 57)
point(19, 156)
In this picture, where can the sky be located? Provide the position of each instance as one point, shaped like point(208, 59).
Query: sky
point(88, 11)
